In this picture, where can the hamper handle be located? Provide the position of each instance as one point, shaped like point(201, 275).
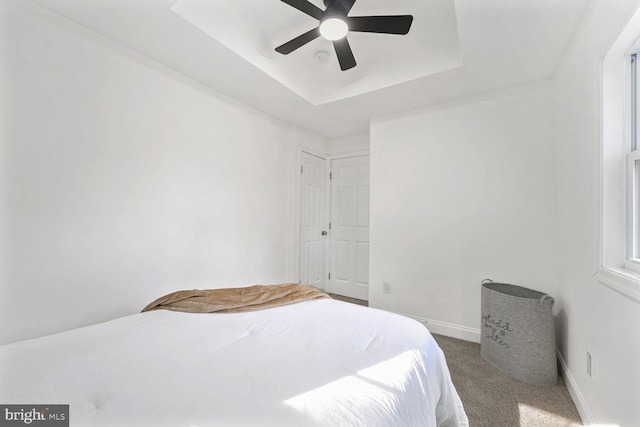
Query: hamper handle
point(486, 281)
point(542, 299)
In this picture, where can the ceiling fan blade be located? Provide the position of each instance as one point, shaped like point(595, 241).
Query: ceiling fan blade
point(344, 53)
point(398, 24)
point(299, 41)
point(305, 7)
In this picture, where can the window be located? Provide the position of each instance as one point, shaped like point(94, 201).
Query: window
point(633, 173)
point(620, 164)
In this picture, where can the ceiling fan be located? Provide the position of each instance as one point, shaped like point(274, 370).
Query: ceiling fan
point(335, 24)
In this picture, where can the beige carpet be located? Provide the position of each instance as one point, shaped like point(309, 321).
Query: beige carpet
point(349, 299)
point(492, 399)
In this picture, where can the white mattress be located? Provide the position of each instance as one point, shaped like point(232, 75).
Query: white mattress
point(315, 363)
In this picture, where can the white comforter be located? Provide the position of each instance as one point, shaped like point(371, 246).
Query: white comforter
point(315, 363)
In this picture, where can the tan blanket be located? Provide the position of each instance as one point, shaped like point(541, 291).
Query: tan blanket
point(235, 300)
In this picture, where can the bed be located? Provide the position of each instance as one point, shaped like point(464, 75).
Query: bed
point(313, 363)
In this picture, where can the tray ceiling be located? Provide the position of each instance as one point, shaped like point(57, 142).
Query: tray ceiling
point(253, 28)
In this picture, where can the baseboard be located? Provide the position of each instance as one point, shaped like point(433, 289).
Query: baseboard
point(448, 329)
point(576, 394)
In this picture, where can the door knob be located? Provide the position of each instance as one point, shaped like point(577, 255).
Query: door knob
point(324, 233)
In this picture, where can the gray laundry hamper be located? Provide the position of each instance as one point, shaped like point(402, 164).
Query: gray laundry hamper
point(518, 332)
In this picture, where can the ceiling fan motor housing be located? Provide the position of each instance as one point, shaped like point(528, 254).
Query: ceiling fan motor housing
point(334, 9)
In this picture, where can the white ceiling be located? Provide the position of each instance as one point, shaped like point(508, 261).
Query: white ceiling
point(253, 28)
point(455, 49)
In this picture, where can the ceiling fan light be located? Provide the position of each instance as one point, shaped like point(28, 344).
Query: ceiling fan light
point(333, 29)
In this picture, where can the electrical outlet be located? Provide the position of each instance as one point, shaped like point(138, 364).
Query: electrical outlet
point(589, 372)
point(386, 287)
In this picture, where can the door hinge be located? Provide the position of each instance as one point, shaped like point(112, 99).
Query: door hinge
point(329, 226)
point(330, 175)
point(301, 169)
point(329, 276)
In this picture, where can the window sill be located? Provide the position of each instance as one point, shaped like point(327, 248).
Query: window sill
point(626, 282)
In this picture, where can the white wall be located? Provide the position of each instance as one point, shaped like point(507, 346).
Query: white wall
point(460, 194)
point(121, 183)
point(592, 317)
point(349, 144)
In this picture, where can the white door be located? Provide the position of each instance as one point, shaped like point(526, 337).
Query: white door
point(313, 223)
point(349, 270)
